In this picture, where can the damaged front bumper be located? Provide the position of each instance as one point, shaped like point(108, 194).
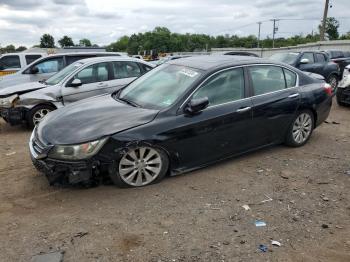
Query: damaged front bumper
point(14, 115)
point(62, 172)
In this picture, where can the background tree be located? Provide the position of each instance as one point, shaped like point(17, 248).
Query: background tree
point(66, 41)
point(331, 30)
point(85, 42)
point(21, 48)
point(119, 46)
point(47, 41)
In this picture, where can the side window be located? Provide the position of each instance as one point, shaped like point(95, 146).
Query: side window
point(50, 66)
point(31, 58)
point(224, 87)
point(320, 58)
point(92, 74)
point(291, 78)
point(309, 56)
point(9, 62)
point(267, 79)
point(145, 68)
point(125, 69)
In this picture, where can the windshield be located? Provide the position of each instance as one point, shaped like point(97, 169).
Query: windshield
point(56, 78)
point(160, 87)
point(288, 58)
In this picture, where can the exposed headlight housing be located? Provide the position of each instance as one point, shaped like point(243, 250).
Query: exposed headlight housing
point(76, 152)
point(8, 102)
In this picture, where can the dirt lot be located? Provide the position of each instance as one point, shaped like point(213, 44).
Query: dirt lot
point(192, 217)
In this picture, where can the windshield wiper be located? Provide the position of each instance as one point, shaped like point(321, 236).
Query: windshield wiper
point(128, 102)
point(42, 82)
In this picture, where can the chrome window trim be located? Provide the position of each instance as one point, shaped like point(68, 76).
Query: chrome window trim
point(242, 66)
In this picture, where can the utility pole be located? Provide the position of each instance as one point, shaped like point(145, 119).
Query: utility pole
point(259, 23)
point(324, 20)
point(274, 31)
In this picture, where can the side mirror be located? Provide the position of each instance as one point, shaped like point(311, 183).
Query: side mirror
point(76, 83)
point(34, 70)
point(196, 105)
point(304, 61)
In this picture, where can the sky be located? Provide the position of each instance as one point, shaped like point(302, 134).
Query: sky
point(22, 22)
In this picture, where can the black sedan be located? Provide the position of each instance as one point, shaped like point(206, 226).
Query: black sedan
point(183, 115)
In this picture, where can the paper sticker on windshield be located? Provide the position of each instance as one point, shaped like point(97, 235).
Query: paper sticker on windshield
point(188, 72)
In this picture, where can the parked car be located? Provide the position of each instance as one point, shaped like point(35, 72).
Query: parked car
point(47, 66)
point(314, 62)
point(182, 115)
point(343, 90)
point(12, 62)
point(342, 58)
point(31, 102)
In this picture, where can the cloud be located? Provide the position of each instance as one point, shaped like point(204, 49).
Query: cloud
point(104, 21)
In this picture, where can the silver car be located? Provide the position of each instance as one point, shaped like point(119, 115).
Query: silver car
point(30, 102)
point(46, 67)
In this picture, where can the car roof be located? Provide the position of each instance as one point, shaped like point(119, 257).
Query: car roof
point(111, 58)
point(208, 62)
point(84, 53)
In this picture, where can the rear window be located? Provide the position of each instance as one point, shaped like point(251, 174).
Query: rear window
point(9, 62)
point(31, 58)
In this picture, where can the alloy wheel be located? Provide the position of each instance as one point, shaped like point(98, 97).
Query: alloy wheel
point(302, 128)
point(333, 82)
point(39, 115)
point(140, 166)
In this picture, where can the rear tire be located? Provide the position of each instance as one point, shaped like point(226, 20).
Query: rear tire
point(36, 114)
point(139, 166)
point(333, 81)
point(301, 129)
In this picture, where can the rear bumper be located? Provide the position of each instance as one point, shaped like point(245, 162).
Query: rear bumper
point(343, 95)
point(13, 116)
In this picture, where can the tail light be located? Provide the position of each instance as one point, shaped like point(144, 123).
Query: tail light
point(328, 89)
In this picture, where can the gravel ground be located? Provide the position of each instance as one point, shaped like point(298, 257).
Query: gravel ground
point(301, 193)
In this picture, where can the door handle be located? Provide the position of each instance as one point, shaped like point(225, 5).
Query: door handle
point(244, 109)
point(293, 95)
point(102, 85)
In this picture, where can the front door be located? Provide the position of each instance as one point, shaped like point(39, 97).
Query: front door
point(222, 129)
point(94, 79)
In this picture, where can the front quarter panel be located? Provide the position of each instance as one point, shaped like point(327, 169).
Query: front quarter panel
point(41, 96)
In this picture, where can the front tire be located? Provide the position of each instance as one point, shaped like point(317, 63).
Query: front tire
point(301, 129)
point(37, 114)
point(139, 166)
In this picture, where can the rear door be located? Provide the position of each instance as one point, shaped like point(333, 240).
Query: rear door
point(124, 72)
point(320, 63)
point(275, 101)
point(95, 81)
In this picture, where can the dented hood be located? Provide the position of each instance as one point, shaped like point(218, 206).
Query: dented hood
point(91, 119)
point(21, 89)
